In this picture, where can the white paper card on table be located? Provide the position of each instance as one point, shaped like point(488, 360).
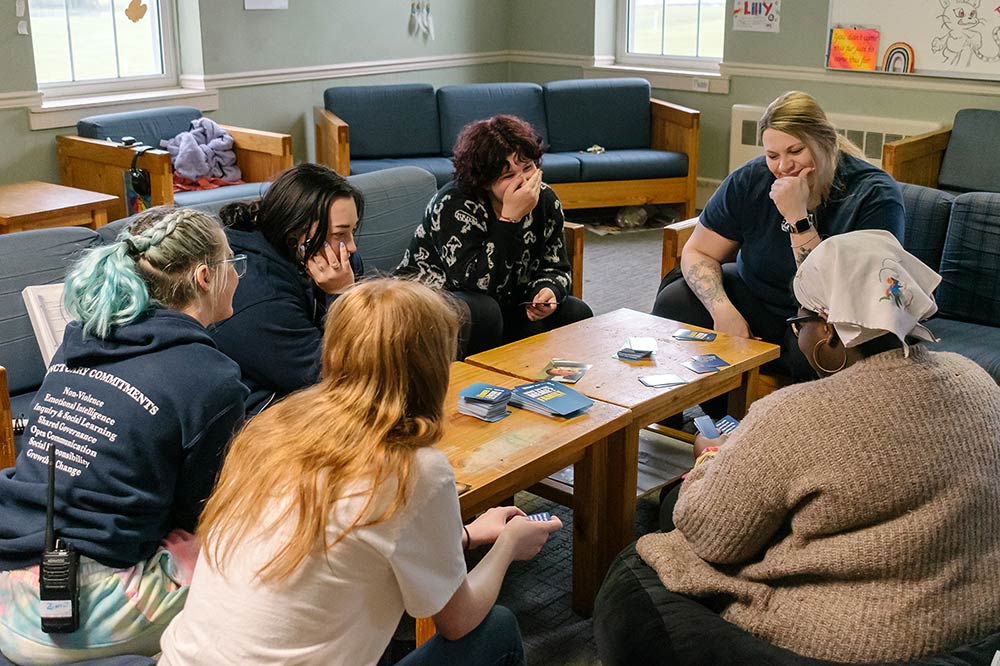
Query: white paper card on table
point(48, 316)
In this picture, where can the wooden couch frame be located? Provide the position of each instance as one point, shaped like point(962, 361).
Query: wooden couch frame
point(97, 165)
point(916, 159)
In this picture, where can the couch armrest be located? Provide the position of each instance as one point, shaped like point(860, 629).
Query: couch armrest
point(333, 141)
point(916, 159)
point(98, 166)
point(7, 453)
point(676, 128)
point(573, 234)
point(260, 155)
point(674, 237)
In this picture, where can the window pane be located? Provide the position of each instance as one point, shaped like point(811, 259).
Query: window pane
point(681, 38)
point(50, 41)
point(92, 36)
point(646, 26)
point(139, 51)
point(713, 28)
point(87, 40)
point(684, 28)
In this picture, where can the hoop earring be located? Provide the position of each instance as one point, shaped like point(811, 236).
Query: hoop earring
point(843, 364)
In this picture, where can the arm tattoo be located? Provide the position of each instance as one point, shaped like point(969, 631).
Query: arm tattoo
point(705, 280)
point(801, 253)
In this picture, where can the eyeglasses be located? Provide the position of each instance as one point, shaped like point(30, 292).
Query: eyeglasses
point(796, 322)
point(239, 263)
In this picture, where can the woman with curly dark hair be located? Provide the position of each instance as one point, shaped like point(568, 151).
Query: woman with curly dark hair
point(494, 237)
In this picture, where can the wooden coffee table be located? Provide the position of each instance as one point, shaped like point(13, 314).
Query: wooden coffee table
point(611, 380)
point(498, 459)
point(38, 205)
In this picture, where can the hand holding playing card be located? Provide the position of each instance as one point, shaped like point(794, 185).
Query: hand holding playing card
point(487, 527)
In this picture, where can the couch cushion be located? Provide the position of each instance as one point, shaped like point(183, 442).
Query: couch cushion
point(27, 258)
point(966, 166)
point(441, 167)
point(149, 126)
point(395, 200)
point(970, 263)
point(460, 105)
point(613, 113)
point(632, 165)
point(977, 342)
point(927, 211)
point(388, 121)
point(213, 199)
point(560, 168)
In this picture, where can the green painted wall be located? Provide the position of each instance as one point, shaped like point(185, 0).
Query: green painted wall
point(18, 71)
point(319, 32)
point(552, 26)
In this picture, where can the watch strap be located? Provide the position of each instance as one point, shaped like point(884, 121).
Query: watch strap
point(800, 226)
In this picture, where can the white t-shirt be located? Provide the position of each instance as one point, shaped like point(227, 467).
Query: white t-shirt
point(340, 607)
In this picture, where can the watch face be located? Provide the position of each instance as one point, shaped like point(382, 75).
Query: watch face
point(798, 227)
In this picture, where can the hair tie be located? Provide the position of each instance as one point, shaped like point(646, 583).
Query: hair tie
point(131, 250)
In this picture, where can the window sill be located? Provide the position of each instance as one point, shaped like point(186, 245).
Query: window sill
point(66, 111)
point(664, 79)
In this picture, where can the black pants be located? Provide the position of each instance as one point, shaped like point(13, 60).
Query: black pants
point(676, 301)
point(492, 324)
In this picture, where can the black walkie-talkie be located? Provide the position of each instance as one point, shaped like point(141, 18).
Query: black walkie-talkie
point(58, 576)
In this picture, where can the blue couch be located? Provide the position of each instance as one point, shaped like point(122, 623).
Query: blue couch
point(91, 162)
point(959, 236)
point(650, 146)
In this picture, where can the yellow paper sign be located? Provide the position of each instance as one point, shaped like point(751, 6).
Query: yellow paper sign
point(853, 48)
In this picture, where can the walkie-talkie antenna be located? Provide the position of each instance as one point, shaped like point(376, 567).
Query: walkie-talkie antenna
point(50, 501)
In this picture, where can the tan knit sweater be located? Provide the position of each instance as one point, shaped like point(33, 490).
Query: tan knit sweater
point(853, 518)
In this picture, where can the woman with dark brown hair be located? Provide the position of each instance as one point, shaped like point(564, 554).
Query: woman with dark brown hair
point(494, 237)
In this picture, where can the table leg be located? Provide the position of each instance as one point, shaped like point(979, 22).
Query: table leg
point(740, 399)
point(590, 526)
point(98, 218)
point(622, 480)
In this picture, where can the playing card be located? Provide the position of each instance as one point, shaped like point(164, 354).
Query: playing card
point(709, 359)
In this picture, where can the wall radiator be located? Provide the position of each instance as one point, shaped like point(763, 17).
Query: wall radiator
point(868, 132)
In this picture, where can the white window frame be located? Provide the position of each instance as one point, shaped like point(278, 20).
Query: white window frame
point(667, 62)
point(168, 79)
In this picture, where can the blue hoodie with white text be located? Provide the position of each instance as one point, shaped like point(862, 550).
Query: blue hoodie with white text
point(140, 421)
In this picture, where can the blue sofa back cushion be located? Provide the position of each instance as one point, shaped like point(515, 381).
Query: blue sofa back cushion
point(440, 167)
point(977, 342)
point(212, 200)
point(30, 258)
point(460, 105)
point(148, 125)
point(395, 200)
point(613, 113)
point(926, 211)
point(970, 264)
point(967, 166)
point(388, 121)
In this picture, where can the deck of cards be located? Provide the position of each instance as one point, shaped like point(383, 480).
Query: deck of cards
point(484, 401)
point(697, 336)
point(637, 349)
point(703, 363)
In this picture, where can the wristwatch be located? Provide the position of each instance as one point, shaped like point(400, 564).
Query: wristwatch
point(799, 227)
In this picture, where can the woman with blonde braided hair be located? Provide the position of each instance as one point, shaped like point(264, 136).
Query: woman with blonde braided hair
point(137, 407)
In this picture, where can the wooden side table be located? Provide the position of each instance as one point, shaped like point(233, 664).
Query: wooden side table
point(38, 205)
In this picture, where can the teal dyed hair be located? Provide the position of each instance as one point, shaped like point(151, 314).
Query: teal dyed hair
point(152, 264)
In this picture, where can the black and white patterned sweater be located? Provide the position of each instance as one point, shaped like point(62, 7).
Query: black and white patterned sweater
point(461, 246)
